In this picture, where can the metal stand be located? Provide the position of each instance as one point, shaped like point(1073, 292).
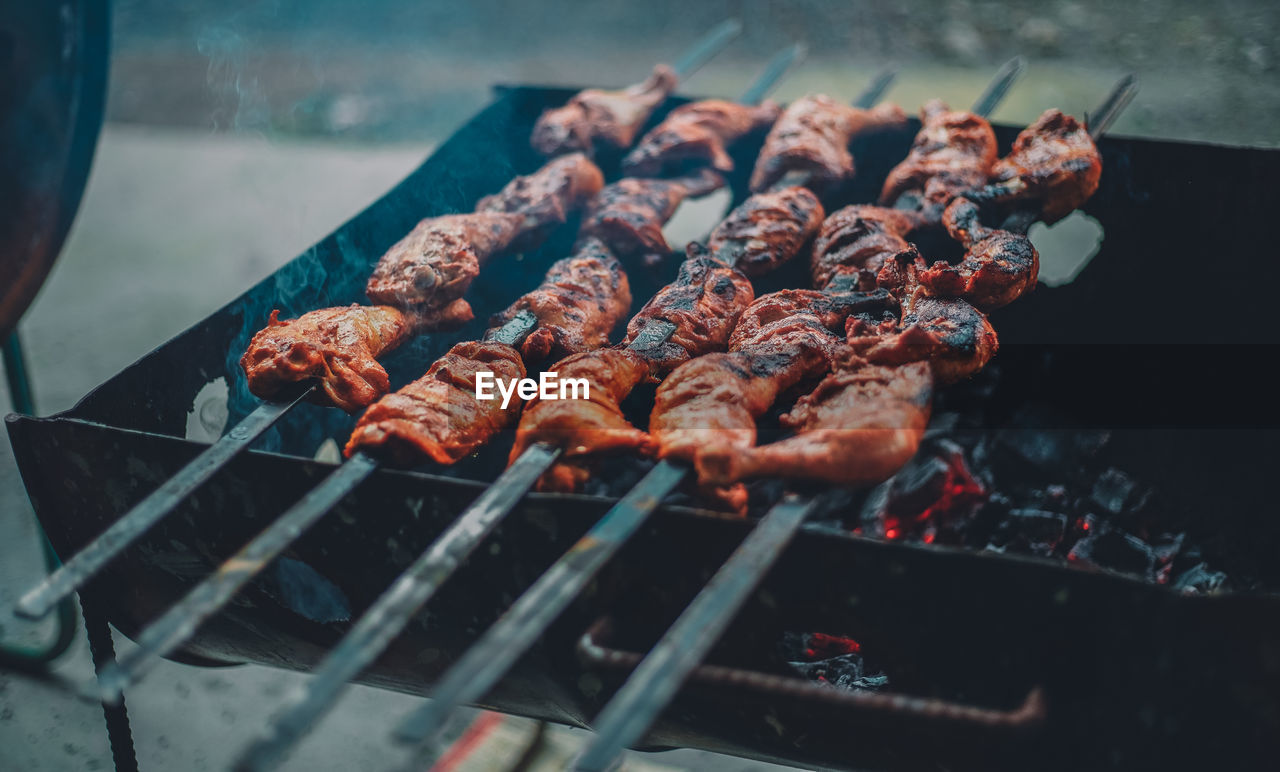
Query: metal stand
point(101, 647)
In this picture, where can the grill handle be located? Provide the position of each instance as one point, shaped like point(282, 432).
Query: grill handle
point(595, 651)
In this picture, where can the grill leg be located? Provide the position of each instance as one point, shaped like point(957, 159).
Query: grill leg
point(117, 716)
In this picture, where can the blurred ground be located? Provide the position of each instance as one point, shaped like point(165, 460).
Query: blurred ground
point(240, 133)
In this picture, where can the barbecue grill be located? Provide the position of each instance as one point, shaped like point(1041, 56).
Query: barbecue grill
point(997, 661)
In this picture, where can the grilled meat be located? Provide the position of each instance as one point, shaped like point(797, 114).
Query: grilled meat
point(767, 230)
point(953, 153)
point(812, 137)
point(856, 241)
point(337, 346)
point(998, 265)
point(858, 427)
point(596, 118)
point(547, 197)
point(1054, 162)
point(954, 337)
point(438, 417)
point(704, 303)
point(583, 427)
point(579, 302)
point(628, 215)
point(440, 257)
point(698, 134)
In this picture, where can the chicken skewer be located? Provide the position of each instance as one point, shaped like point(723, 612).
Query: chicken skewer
point(330, 356)
point(656, 680)
point(594, 119)
point(573, 310)
point(490, 658)
point(587, 292)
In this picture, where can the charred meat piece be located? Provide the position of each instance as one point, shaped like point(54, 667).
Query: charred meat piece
point(767, 230)
point(704, 303)
point(580, 301)
point(953, 153)
point(698, 134)
point(547, 197)
point(337, 346)
point(808, 320)
point(998, 265)
point(628, 215)
point(812, 137)
point(858, 427)
point(955, 338)
point(440, 257)
point(856, 241)
point(596, 118)
point(585, 427)
point(437, 417)
point(1054, 162)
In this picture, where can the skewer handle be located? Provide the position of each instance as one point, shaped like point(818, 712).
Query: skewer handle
point(498, 649)
point(389, 614)
point(87, 563)
point(707, 47)
point(182, 620)
point(658, 677)
point(773, 71)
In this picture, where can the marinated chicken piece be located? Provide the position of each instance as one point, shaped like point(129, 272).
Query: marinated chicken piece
point(595, 118)
point(807, 320)
point(547, 197)
point(856, 241)
point(998, 265)
point(698, 134)
point(955, 338)
point(628, 215)
point(767, 230)
point(857, 428)
point(337, 346)
point(812, 137)
point(585, 426)
point(437, 417)
point(704, 303)
point(1054, 162)
point(580, 301)
point(953, 153)
point(440, 257)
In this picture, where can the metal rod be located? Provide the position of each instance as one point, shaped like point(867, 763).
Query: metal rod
point(658, 677)
point(876, 89)
point(707, 47)
point(123, 532)
point(773, 71)
point(391, 612)
point(181, 621)
point(1121, 95)
point(995, 92)
point(499, 648)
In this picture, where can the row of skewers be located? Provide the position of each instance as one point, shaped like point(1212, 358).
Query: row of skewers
point(880, 328)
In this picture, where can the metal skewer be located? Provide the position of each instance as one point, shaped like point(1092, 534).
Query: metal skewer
point(389, 614)
point(658, 677)
point(84, 565)
point(707, 48)
point(1121, 95)
point(489, 659)
point(999, 86)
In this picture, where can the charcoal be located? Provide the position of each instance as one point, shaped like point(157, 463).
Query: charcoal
point(1033, 531)
point(830, 659)
point(1116, 551)
point(1114, 491)
point(920, 484)
point(1200, 580)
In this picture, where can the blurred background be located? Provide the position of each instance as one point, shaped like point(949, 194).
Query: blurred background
point(238, 133)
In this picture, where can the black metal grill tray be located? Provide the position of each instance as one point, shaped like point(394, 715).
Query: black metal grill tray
point(1164, 339)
